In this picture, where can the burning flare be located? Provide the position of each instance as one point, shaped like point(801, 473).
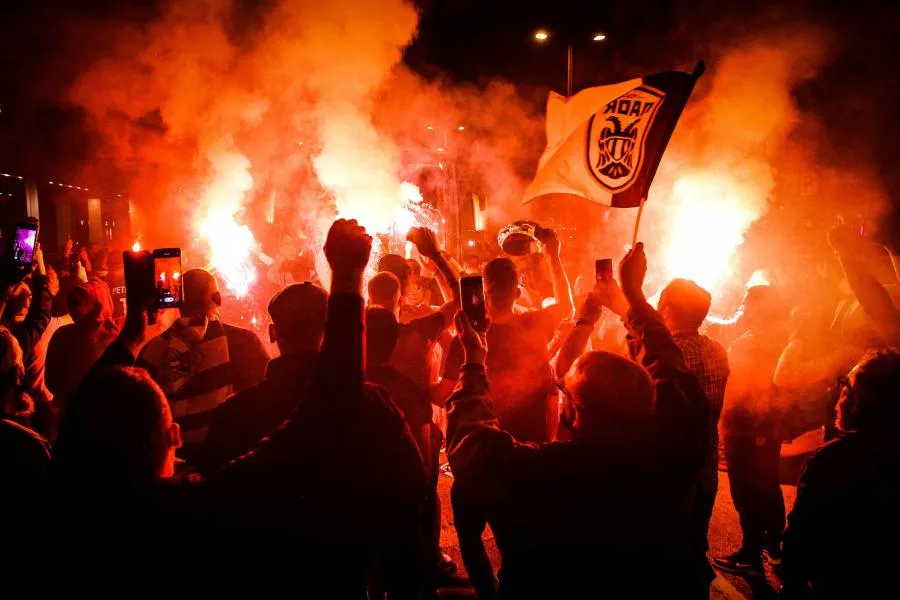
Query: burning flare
point(708, 224)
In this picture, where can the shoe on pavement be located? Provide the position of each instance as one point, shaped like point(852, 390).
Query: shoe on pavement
point(740, 563)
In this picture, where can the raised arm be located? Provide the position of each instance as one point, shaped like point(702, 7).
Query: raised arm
point(562, 291)
point(578, 337)
point(682, 409)
point(342, 363)
point(872, 296)
point(426, 243)
point(38, 317)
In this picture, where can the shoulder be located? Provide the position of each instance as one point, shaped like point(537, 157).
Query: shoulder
point(239, 332)
point(23, 440)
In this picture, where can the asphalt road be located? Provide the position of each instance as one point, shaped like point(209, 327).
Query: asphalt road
point(724, 538)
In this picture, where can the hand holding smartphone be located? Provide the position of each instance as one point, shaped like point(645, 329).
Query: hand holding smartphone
point(24, 244)
point(153, 279)
point(603, 269)
point(473, 305)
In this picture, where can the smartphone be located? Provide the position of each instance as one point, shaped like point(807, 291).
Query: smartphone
point(471, 290)
point(24, 243)
point(167, 278)
point(603, 269)
point(138, 276)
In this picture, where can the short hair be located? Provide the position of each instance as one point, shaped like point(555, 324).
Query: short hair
point(299, 311)
point(501, 280)
point(615, 394)
point(90, 302)
point(396, 264)
point(874, 403)
point(688, 302)
point(115, 427)
point(199, 286)
point(382, 333)
point(384, 289)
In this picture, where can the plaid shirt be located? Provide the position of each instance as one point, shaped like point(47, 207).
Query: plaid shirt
point(708, 361)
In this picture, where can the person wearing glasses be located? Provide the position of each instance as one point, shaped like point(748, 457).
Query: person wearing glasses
point(841, 536)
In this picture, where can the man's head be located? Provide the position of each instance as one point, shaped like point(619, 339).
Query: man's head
point(384, 291)
point(609, 396)
point(117, 426)
point(298, 315)
point(683, 305)
point(501, 285)
point(763, 307)
point(396, 264)
point(382, 333)
point(868, 399)
point(201, 294)
point(90, 303)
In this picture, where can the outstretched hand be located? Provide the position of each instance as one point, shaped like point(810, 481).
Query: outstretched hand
point(425, 241)
point(347, 247)
point(474, 342)
point(632, 271)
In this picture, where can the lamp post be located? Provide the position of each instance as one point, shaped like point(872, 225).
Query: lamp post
point(542, 35)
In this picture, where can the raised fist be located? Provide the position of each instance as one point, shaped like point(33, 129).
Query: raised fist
point(347, 247)
point(425, 241)
point(632, 271)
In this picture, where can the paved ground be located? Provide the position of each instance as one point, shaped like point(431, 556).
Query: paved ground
point(724, 537)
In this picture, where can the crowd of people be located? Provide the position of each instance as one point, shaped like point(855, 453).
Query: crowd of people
point(127, 440)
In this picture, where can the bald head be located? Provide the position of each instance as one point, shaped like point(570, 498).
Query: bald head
point(612, 394)
point(201, 293)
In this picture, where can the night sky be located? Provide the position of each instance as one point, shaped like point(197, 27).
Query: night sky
point(46, 44)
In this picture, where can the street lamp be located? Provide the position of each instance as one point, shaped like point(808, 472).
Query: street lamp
point(542, 35)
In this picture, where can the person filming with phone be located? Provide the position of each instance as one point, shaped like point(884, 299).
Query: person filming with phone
point(519, 363)
point(200, 361)
point(610, 506)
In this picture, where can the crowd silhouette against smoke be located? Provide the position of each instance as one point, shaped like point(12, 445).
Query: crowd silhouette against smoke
point(367, 390)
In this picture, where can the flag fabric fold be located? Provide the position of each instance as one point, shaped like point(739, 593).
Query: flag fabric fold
point(605, 143)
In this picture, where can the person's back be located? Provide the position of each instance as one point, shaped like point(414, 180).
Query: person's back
point(74, 348)
point(298, 323)
point(840, 540)
point(199, 362)
point(602, 511)
point(341, 483)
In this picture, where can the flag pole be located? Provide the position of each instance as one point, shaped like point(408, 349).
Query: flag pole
point(637, 222)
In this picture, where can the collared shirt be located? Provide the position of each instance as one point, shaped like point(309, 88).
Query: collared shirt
point(708, 361)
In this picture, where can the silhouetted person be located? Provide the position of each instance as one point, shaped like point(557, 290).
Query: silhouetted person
point(298, 323)
point(841, 536)
point(683, 306)
point(750, 420)
point(340, 486)
point(525, 399)
point(415, 353)
point(116, 446)
point(609, 508)
point(200, 361)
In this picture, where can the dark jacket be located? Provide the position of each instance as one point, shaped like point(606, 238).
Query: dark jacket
point(241, 421)
point(841, 535)
point(338, 487)
point(589, 514)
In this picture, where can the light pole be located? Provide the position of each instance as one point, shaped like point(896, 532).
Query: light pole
point(542, 35)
